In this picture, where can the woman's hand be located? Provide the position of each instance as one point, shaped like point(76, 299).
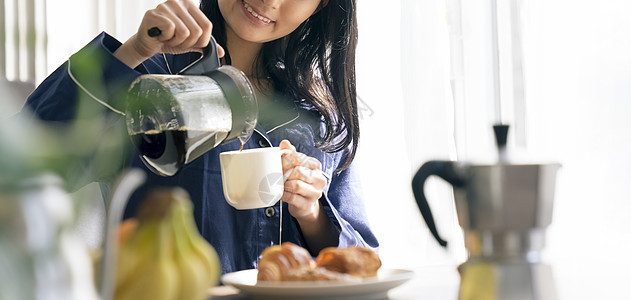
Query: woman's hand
point(303, 189)
point(304, 185)
point(183, 26)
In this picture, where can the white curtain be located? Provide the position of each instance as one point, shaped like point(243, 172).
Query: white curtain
point(403, 77)
point(73, 23)
point(578, 105)
point(571, 105)
point(579, 102)
point(36, 36)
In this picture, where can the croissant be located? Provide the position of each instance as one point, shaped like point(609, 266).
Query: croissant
point(289, 262)
point(316, 274)
point(278, 262)
point(354, 261)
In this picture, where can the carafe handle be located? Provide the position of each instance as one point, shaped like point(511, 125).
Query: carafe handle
point(209, 61)
point(205, 64)
point(443, 169)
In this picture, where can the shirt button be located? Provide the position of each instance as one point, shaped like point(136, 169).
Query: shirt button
point(270, 212)
point(262, 144)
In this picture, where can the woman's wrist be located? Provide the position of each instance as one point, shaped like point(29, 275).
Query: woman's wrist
point(318, 231)
point(313, 222)
point(128, 54)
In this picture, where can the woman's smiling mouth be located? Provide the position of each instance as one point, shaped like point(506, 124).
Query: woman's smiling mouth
point(255, 14)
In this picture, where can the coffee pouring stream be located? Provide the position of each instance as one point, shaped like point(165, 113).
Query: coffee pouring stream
point(174, 119)
point(504, 209)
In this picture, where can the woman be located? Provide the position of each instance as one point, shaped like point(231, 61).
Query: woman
point(300, 54)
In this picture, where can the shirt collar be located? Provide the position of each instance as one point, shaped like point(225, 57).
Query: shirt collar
point(277, 111)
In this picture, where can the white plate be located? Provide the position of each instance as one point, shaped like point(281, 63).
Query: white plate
point(371, 288)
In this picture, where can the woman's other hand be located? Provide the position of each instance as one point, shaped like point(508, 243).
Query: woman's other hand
point(184, 28)
point(303, 190)
point(304, 185)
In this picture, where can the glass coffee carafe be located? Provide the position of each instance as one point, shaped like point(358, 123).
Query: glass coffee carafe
point(174, 119)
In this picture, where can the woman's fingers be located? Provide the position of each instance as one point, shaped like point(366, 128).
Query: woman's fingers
point(205, 26)
point(301, 167)
point(206, 29)
point(189, 34)
point(175, 35)
point(304, 183)
point(295, 159)
point(285, 144)
point(310, 176)
point(302, 189)
point(302, 198)
point(183, 26)
point(146, 46)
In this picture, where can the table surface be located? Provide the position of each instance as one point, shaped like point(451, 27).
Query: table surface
point(573, 279)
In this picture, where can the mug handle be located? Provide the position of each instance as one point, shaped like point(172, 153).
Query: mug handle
point(443, 169)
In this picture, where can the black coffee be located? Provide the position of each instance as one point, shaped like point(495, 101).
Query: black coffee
point(164, 152)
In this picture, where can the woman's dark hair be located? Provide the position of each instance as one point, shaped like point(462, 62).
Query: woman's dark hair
point(316, 63)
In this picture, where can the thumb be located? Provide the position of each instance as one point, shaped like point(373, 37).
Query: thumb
point(220, 51)
point(285, 144)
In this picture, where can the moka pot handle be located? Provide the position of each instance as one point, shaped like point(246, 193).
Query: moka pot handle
point(443, 169)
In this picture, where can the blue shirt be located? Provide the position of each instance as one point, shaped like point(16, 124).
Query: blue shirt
point(238, 236)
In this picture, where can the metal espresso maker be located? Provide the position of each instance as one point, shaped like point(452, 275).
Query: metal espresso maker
point(504, 210)
point(174, 119)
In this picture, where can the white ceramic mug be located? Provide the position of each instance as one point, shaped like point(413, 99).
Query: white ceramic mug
point(252, 178)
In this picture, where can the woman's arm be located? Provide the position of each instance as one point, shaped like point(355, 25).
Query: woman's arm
point(303, 191)
point(90, 77)
point(318, 230)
